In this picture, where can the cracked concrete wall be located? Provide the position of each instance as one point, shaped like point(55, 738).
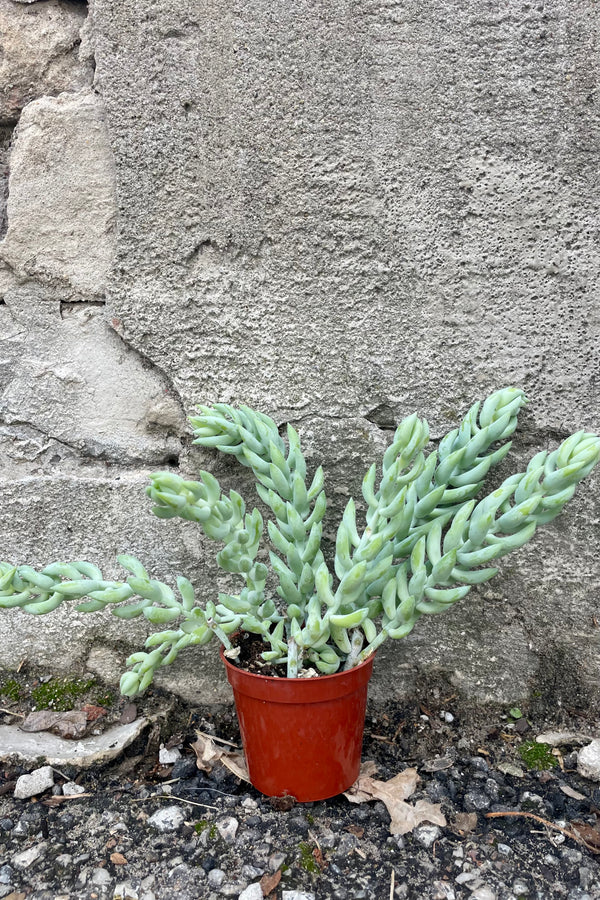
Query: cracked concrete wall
point(337, 213)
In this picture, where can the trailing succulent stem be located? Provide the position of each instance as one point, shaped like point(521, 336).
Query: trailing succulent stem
point(426, 541)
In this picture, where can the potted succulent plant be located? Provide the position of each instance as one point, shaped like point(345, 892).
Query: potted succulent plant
point(426, 541)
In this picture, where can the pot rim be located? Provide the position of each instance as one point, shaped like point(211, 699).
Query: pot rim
point(279, 678)
point(301, 691)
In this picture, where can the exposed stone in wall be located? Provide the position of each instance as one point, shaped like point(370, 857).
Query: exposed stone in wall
point(82, 414)
point(40, 52)
point(71, 379)
point(61, 206)
point(71, 392)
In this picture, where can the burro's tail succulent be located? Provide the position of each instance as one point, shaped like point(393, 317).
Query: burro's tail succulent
point(428, 537)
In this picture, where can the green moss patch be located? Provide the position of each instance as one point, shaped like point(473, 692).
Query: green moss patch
point(307, 860)
point(60, 694)
point(537, 756)
point(11, 689)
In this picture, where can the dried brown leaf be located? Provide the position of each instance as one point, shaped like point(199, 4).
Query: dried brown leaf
point(129, 714)
point(400, 787)
point(268, 883)
point(571, 792)
point(208, 755)
point(319, 858)
point(61, 798)
point(438, 764)
point(394, 794)
point(93, 712)
point(368, 767)
point(71, 725)
point(282, 804)
point(117, 859)
point(236, 763)
point(588, 834)
point(465, 823)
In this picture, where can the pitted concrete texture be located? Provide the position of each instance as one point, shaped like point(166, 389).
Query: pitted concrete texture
point(338, 214)
point(376, 202)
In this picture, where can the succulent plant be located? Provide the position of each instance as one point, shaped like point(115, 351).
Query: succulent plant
point(426, 541)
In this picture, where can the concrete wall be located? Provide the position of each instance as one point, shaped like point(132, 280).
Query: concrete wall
point(338, 213)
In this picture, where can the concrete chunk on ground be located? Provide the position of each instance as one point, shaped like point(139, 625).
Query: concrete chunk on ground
point(171, 818)
point(56, 751)
point(588, 761)
point(35, 783)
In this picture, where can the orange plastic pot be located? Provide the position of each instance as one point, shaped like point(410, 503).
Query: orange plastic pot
point(302, 736)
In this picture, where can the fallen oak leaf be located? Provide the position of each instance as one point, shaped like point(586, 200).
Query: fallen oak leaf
point(207, 753)
point(465, 823)
point(394, 793)
point(362, 789)
point(405, 817)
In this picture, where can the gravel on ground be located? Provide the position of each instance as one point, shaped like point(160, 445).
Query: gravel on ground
point(139, 829)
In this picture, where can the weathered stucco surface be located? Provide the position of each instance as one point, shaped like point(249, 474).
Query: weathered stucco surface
point(337, 213)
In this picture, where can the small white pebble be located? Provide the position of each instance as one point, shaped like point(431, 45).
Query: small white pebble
point(483, 893)
point(252, 892)
point(168, 757)
point(227, 827)
point(70, 789)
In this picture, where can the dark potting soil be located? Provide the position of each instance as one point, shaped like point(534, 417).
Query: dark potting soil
point(251, 646)
point(250, 658)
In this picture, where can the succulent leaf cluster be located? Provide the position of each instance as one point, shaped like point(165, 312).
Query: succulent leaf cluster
point(425, 540)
